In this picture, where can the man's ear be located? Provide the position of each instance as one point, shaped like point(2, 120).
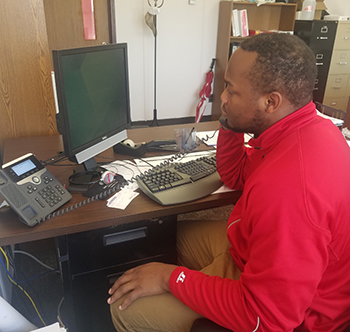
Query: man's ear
point(273, 102)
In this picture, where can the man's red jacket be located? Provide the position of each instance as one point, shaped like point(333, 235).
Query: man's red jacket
point(289, 231)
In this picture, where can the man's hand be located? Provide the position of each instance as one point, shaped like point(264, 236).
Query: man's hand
point(144, 280)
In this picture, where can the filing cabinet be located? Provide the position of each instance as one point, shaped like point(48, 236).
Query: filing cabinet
point(337, 90)
point(320, 36)
point(92, 261)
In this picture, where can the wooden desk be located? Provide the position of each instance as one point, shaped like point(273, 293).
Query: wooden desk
point(86, 261)
point(95, 215)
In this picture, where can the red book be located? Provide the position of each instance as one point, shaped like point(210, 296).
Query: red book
point(244, 23)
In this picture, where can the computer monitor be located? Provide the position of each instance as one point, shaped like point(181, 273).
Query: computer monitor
point(92, 89)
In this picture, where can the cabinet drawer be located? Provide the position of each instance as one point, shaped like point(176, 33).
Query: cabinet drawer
point(113, 246)
point(316, 34)
point(89, 292)
point(339, 103)
point(342, 39)
point(319, 88)
point(323, 60)
point(323, 34)
point(340, 63)
point(337, 85)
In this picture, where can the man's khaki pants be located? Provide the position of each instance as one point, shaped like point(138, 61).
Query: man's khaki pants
point(202, 246)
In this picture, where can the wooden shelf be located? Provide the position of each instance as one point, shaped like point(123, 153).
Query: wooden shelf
point(269, 16)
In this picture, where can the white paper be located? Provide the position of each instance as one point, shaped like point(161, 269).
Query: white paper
point(51, 328)
point(11, 320)
point(127, 168)
point(3, 204)
point(122, 199)
point(204, 134)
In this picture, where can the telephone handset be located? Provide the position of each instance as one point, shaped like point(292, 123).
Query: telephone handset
point(30, 189)
point(224, 123)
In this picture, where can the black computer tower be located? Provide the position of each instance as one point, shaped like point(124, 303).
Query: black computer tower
point(91, 262)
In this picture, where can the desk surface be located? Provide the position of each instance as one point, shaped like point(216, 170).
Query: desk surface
point(95, 215)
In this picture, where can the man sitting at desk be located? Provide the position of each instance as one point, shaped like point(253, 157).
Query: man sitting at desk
point(282, 262)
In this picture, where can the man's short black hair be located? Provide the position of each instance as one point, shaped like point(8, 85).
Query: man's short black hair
point(284, 64)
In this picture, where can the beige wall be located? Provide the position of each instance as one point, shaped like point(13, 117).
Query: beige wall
point(186, 45)
point(338, 7)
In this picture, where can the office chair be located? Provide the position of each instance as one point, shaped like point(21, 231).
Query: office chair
point(330, 111)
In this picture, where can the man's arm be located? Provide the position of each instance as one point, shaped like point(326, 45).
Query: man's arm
point(231, 158)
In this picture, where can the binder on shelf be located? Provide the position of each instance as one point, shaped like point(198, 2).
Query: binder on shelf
point(236, 26)
point(233, 30)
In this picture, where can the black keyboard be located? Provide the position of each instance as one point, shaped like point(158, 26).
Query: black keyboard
point(181, 182)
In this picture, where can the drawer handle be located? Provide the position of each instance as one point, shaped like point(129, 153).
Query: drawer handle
point(343, 63)
point(336, 87)
point(323, 37)
point(346, 38)
point(125, 236)
point(319, 63)
point(333, 103)
point(111, 279)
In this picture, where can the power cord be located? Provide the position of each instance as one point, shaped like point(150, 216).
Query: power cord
point(53, 160)
point(17, 284)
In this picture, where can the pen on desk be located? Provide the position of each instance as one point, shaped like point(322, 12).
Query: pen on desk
point(189, 135)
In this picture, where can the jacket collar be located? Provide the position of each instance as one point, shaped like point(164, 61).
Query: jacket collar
point(272, 135)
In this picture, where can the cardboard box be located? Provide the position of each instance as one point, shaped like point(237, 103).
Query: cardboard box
point(320, 6)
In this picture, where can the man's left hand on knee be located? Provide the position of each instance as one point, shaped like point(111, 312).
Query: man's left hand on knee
point(143, 280)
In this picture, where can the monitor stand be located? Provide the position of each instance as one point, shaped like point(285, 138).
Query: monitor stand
point(84, 175)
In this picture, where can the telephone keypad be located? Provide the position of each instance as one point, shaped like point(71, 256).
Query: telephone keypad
point(50, 195)
point(47, 179)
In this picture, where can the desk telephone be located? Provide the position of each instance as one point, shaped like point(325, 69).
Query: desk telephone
point(30, 189)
